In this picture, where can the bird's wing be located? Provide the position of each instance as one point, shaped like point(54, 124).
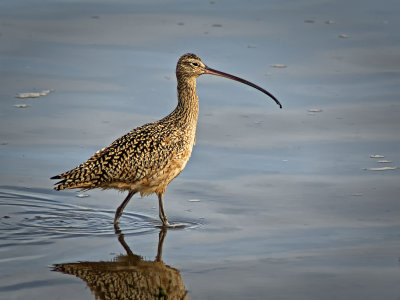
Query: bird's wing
point(128, 159)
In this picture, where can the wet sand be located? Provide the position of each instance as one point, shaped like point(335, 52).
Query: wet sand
point(298, 203)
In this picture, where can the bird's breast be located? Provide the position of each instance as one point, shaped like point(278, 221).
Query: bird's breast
point(158, 180)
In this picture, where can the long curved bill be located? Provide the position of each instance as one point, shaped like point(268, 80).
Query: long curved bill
point(226, 75)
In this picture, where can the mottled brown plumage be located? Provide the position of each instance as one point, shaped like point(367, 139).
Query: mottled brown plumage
point(149, 157)
point(129, 276)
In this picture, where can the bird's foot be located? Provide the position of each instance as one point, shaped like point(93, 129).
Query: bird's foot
point(167, 225)
point(165, 222)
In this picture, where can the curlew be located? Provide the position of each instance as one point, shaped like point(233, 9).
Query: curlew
point(149, 157)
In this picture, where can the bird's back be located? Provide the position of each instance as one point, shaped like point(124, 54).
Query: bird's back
point(144, 160)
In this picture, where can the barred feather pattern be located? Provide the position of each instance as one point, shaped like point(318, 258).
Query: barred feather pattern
point(142, 153)
point(149, 157)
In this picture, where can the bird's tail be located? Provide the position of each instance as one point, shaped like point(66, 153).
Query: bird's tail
point(59, 185)
point(73, 179)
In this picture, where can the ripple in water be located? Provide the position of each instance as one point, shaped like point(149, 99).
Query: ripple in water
point(33, 214)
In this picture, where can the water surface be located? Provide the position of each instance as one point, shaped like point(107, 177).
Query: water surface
point(276, 204)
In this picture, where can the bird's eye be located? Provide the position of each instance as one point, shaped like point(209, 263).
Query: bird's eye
point(195, 64)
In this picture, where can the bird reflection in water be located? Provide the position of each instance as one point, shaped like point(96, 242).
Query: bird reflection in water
point(129, 276)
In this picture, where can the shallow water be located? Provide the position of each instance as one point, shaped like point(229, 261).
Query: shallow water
point(274, 204)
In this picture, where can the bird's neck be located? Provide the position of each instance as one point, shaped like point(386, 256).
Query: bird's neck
point(188, 102)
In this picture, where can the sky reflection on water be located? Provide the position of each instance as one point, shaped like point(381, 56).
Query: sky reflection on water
point(280, 202)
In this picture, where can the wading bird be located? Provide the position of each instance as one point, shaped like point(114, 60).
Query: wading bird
point(149, 157)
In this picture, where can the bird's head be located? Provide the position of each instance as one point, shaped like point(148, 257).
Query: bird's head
point(191, 66)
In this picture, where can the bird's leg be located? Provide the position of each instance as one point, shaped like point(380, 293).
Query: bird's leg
point(161, 236)
point(118, 213)
point(162, 214)
point(121, 239)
